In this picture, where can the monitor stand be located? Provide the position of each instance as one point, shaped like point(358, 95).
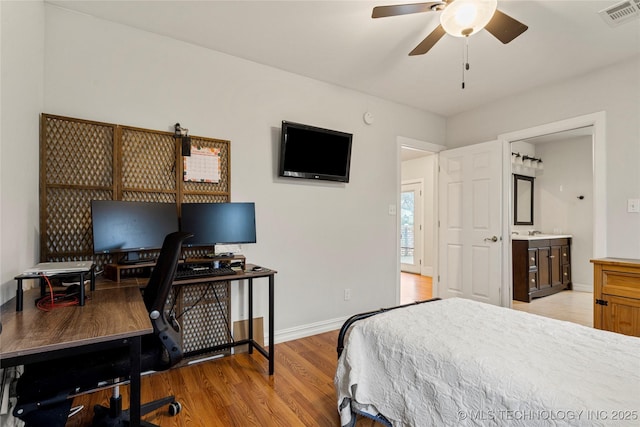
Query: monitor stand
point(214, 255)
point(133, 258)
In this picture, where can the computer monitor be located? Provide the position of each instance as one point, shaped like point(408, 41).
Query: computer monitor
point(219, 223)
point(129, 227)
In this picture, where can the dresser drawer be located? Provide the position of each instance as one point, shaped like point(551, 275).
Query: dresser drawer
point(533, 258)
point(616, 292)
point(533, 280)
point(566, 274)
point(621, 283)
point(566, 254)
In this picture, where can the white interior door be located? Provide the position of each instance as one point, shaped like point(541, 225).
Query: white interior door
point(411, 232)
point(470, 218)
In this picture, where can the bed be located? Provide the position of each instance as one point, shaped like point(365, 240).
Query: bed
point(458, 362)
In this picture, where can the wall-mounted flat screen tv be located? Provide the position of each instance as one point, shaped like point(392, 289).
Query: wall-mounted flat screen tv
point(314, 153)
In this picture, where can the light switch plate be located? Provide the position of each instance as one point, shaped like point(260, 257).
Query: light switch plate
point(392, 209)
point(633, 205)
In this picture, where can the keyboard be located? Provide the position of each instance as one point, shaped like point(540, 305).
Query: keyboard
point(195, 272)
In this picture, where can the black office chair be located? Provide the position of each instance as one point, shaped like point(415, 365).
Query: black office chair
point(45, 389)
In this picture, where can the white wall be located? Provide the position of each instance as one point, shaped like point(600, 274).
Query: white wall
point(566, 176)
point(522, 148)
point(422, 169)
point(321, 237)
point(615, 90)
point(21, 90)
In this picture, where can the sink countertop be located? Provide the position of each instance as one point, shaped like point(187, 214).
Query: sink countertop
point(539, 236)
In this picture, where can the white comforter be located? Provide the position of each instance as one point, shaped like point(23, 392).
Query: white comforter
point(457, 362)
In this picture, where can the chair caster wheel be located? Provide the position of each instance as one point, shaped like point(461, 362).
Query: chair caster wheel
point(174, 408)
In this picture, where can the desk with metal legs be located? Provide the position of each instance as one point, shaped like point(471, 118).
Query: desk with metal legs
point(249, 275)
point(110, 318)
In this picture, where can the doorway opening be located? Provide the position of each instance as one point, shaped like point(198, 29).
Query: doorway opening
point(416, 222)
point(411, 219)
point(562, 207)
point(594, 231)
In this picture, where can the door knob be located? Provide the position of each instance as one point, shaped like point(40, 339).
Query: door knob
point(491, 239)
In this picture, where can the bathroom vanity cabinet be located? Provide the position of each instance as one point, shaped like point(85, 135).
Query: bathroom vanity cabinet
point(541, 266)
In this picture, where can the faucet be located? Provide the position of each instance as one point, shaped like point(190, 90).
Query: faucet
point(534, 232)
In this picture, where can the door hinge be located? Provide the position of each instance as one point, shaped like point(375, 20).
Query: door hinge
point(602, 302)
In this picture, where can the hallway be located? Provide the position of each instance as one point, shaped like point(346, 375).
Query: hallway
point(414, 287)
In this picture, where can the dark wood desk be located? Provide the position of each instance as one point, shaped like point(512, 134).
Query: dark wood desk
point(111, 317)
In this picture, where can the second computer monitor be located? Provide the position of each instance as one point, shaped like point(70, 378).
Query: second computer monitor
point(219, 223)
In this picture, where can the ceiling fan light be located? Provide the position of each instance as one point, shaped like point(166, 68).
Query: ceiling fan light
point(462, 18)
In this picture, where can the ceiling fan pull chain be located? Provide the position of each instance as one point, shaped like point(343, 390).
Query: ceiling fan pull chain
point(463, 67)
point(466, 48)
point(465, 58)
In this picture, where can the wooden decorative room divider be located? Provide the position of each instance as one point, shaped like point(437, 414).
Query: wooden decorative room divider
point(83, 160)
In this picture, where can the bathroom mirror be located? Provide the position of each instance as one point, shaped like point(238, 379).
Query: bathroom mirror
point(523, 199)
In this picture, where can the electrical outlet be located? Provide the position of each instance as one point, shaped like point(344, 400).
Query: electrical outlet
point(347, 294)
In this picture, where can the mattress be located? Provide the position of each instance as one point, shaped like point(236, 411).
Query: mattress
point(458, 362)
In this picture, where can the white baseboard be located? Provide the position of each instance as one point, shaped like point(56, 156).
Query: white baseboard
point(427, 271)
point(303, 331)
point(581, 287)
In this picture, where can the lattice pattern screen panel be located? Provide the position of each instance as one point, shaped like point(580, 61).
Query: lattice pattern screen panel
point(206, 316)
point(84, 160)
point(77, 153)
point(138, 196)
point(223, 186)
point(77, 166)
point(148, 160)
point(205, 198)
point(68, 222)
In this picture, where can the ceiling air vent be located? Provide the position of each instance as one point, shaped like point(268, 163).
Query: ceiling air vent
point(621, 12)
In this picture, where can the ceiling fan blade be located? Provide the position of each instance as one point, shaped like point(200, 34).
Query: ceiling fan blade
point(505, 28)
point(403, 9)
point(428, 42)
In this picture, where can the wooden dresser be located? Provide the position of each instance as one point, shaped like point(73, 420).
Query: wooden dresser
point(616, 294)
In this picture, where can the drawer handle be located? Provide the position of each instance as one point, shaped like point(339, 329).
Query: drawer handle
point(533, 259)
point(533, 280)
point(566, 274)
point(564, 254)
point(552, 256)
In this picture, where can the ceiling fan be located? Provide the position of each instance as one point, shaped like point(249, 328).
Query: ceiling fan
point(460, 18)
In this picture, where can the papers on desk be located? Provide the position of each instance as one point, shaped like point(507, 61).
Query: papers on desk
point(52, 268)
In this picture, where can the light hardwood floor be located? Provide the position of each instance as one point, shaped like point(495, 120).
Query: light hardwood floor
point(414, 287)
point(571, 306)
point(237, 391)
